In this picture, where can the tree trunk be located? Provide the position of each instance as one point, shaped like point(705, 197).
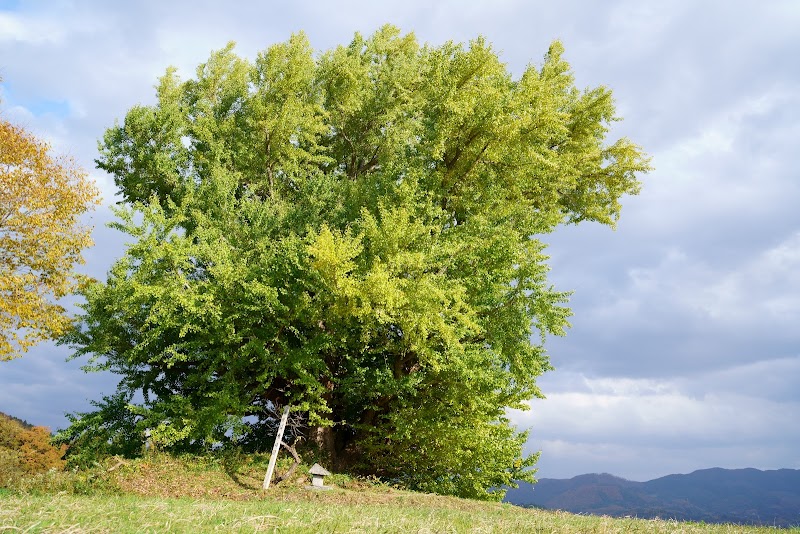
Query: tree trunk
point(325, 439)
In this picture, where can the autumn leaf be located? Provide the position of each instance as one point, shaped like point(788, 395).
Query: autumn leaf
point(41, 238)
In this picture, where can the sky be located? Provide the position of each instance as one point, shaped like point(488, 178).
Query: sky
point(684, 350)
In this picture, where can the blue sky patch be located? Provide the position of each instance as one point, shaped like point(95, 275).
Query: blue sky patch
point(37, 106)
point(59, 108)
point(9, 5)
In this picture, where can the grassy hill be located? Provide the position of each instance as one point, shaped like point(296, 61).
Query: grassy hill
point(218, 494)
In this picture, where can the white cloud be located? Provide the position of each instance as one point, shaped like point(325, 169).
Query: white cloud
point(667, 418)
point(22, 29)
point(645, 428)
point(717, 173)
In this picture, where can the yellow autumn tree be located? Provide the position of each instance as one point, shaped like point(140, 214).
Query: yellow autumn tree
point(42, 198)
point(26, 450)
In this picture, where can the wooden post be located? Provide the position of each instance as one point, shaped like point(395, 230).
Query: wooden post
point(275, 448)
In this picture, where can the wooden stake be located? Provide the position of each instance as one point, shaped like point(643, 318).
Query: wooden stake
point(275, 448)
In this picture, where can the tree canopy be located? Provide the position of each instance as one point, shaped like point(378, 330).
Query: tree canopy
point(42, 198)
point(354, 234)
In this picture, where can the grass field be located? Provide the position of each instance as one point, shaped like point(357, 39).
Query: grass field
point(165, 494)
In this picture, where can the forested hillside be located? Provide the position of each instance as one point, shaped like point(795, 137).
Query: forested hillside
point(745, 496)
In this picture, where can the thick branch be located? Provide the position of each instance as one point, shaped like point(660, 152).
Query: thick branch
point(293, 451)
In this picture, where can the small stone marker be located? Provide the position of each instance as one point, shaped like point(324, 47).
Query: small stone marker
point(318, 473)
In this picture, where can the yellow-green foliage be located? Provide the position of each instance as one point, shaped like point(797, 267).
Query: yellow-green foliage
point(356, 234)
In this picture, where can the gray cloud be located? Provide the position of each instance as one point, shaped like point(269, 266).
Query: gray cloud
point(644, 428)
point(684, 342)
point(41, 387)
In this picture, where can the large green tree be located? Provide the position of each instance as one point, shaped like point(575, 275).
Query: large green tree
point(355, 235)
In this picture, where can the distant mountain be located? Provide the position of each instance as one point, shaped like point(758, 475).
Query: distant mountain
point(745, 496)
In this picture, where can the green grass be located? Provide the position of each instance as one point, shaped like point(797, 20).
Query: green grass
point(165, 494)
point(130, 513)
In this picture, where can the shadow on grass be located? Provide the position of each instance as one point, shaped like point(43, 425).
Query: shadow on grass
point(232, 469)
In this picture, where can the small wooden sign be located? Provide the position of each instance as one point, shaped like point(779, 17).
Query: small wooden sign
point(275, 448)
